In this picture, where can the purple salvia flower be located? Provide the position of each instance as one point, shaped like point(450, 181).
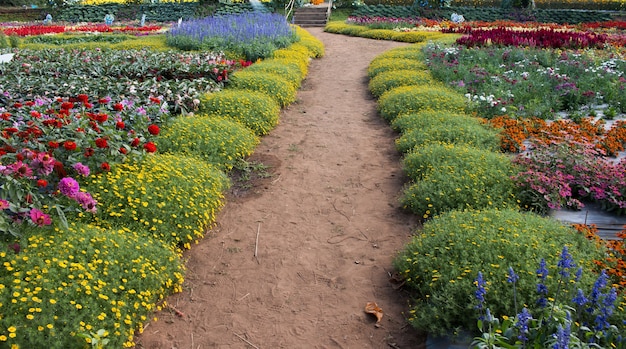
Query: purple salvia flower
point(542, 289)
point(480, 290)
point(580, 298)
point(512, 277)
point(562, 337)
point(565, 263)
point(523, 319)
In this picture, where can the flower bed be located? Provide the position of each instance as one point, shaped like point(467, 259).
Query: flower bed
point(99, 217)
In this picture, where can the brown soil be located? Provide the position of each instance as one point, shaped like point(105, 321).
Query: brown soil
point(303, 245)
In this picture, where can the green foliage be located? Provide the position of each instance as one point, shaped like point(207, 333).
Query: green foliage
point(173, 198)
point(454, 177)
point(411, 99)
point(219, 141)
point(287, 70)
point(381, 65)
point(313, 44)
point(345, 29)
point(441, 263)
point(253, 109)
point(155, 12)
point(103, 42)
point(378, 34)
point(386, 10)
point(388, 80)
point(67, 282)
point(411, 37)
point(273, 85)
point(412, 52)
point(429, 126)
point(65, 39)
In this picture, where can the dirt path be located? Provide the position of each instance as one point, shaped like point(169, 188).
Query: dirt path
point(327, 221)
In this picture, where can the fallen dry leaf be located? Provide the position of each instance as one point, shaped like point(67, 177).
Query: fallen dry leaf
point(373, 308)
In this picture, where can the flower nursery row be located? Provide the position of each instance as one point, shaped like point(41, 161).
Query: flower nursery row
point(107, 191)
point(463, 184)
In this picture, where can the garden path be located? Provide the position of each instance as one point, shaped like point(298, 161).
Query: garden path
point(324, 228)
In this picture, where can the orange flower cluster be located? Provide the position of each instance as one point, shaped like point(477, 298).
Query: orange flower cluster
point(588, 130)
point(615, 262)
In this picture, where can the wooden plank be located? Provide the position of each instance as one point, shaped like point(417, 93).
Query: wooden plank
point(608, 224)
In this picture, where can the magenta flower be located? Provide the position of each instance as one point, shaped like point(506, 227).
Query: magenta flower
point(39, 218)
point(21, 169)
point(69, 187)
point(82, 170)
point(4, 204)
point(86, 201)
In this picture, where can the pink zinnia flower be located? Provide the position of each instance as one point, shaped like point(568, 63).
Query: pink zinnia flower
point(69, 187)
point(4, 204)
point(82, 169)
point(86, 201)
point(39, 218)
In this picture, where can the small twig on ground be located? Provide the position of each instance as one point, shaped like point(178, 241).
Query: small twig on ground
point(245, 340)
point(256, 244)
point(176, 311)
point(338, 211)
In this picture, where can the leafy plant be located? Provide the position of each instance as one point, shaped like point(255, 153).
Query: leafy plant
point(423, 128)
point(411, 99)
point(273, 85)
point(439, 264)
point(220, 141)
point(455, 177)
point(385, 81)
point(254, 109)
point(66, 281)
point(381, 65)
point(172, 198)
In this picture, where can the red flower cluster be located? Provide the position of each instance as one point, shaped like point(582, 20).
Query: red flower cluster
point(541, 38)
point(40, 29)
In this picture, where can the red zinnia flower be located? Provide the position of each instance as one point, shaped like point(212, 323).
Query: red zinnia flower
point(35, 114)
point(67, 105)
point(69, 145)
point(118, 106)
point(59, 170)
point(42, 183)
point(120, 125)
point(83, 98)
point(123, 150)
point(53, 144)
point(101, 117)
point(17, 105)
point(5, 116)
point(150, 147)
point(135, 142)
point(105, 166)
point(101, 143)
point(89, 152)
point(153, 129)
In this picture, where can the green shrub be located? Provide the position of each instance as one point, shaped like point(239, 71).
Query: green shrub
point(336, 27)
point(426, 127)
point(271, 84)
point(172, 197)
point(455, 177)
point(411, 37)
point(74, 281)
point(413, 52)
point(411, 99)
point(380, 65)
point(255, 110)
point(289, 71)
point(388, 80)
point(378, 34)
point(219, 141)
point(441, 263)
point(313, 44)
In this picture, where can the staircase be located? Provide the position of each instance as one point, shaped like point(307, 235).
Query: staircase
point(312, 16)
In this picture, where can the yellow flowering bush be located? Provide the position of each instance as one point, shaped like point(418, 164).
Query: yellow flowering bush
point(313, 44)
point(377, 34)
point(336, 27)
point(411, 99)
point(295, 57)
point(442, 261)
point(215, 139)
point(454, 177)
point(290, 71)
point(412, 36)
point(422, 128)
point(254, 109)
point(380, 65)
point(173, 198)
point(63, 283)
point(273, 85)
point(388, 80)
